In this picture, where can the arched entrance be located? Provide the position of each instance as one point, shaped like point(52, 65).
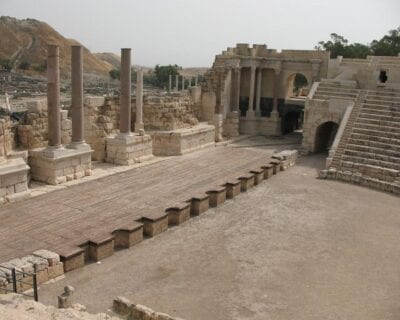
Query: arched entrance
point(297, 86)
point(292, 120)
point(325, 135)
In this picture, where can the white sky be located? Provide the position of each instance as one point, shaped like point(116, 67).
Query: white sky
point(191, 32)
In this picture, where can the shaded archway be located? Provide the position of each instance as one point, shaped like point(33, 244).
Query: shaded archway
point(292, 121)
point(325, 135)
point(297, 85)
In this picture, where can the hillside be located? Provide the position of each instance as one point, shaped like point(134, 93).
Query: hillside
point(26, 41)
point(109, 57)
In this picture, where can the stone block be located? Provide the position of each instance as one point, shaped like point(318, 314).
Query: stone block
point(276, 163)
point(72, 258)
point(154, 222)
point(122, 306)
point(178, 213)
point(128, 235)
point(217, 196)
point(258, 175)
point(52, 257)
point(99, 247)
point(55, 270)
point(199, 204)
point(268, 170)
point(246, 182)
point(232, 188)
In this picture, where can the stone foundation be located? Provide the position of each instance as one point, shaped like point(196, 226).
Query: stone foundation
point(129, 149)
point(246, 182)
point(200, 204)
point(178, 142)
point(217, 196)
point(232, 188)
point(55, 166)
point(178, 214)
point(13, 180)
point(129, 235)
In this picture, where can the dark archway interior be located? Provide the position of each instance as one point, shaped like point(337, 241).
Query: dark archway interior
point(292, 121)
point(325, 135)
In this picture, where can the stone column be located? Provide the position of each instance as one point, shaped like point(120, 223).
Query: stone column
point(77, 96)
point(177, 82)
point(276, 91)
point(196, 81)
point(139, 101)
point(125, 97)
point(183, 83)
point(190, 82)
point(258, 96)
point(238, 84)
point(53, 96)
point(250, 111)
point(170, 83)
point(218, 118)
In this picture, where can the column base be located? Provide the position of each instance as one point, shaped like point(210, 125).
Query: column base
point(56, 165)
point(127, 149)
point(82, 146)
point(13, 180)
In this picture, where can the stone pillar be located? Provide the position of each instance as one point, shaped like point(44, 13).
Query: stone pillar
point(238, 73)
point(196, 81)
point(190, 82)
point(250, 111)
point(53, 96)
point(276, 91)
point(77, 97)
point(177, 82)
point(218, 118)
point(139, 101)
point(183, 83)
point(258, 96)
point(170, 83)
point(125, 96)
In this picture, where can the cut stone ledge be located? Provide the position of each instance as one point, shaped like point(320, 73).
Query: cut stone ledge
point(128, 235)
point(178, 213)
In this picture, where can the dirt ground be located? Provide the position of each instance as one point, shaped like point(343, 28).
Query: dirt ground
point(294, 247)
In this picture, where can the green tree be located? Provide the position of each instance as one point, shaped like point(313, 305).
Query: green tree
point(5, 64)
point(162, 74)
point(389, 45)
point(115, 74)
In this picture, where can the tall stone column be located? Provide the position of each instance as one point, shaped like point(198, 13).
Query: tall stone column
point(170, 83)
point(53, 96)
point(139, 101)
point(177, 82)
point(196, 81)
point(238, 85)
point(183, 83)
point(77, 97)
point(276, 91)
point(258, 96)
point(218, 118)
point(250, 111)
point(190, 82)
point(125, 98)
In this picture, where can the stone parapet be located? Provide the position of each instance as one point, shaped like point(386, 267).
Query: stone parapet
point(60, 165)
point(129, 149)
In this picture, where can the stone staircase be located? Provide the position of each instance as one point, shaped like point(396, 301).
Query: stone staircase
point(369, 150)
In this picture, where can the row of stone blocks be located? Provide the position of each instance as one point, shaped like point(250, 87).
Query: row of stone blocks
point(45, 264)
point(158, 220)
point(360, 179)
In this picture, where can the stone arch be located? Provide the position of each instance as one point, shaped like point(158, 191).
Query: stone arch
point(296, 77)
point(325, 135)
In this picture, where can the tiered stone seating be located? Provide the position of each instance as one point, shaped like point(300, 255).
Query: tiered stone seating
point(371, 153)
point(331, 90)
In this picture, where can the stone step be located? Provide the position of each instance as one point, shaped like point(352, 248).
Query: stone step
point(375, 111)
point(378, 122)
point(332, 96)
point(376, 172)
point(381, 102)
point(390, 148)
point(337, 89)
point(385, 96)
point(362, 135)
point(381, 117)
point(371, 155)
point(383, 129)
point(372, 162)
point(377, 133)
point(336, 93)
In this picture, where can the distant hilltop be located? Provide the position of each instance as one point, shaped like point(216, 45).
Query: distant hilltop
point(24, 44)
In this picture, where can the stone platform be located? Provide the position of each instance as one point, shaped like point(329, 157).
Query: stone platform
point(13, 180)
point(56, 166)
point(181, 141)
point(127, 149)
point(88, 220)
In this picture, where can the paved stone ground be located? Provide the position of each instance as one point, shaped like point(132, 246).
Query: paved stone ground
point(294, 247)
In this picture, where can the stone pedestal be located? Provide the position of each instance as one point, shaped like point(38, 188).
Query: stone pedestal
point(58, 165)
point(127, 149)
point(13, 180)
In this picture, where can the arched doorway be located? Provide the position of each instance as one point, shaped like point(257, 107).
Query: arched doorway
point(292, 120)
point(297, 86)
point(325, 135)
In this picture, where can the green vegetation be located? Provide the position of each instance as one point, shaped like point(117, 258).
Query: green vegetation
point(24, 65)
point(5, 64)
point(388, 45)
point(41, 67)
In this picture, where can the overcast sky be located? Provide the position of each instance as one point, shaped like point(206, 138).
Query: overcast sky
point(192, 32)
